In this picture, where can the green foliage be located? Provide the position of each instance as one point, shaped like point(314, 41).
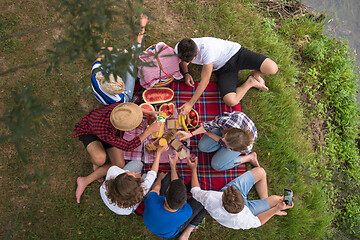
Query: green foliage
point(281, 147)
point(23, 119)
point(6, 24)
point(320, 165)
point(330, 85)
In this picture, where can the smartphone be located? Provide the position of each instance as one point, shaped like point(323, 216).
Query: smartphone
point(288, 196)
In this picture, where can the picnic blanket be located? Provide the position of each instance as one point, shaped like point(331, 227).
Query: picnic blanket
point(208, 106)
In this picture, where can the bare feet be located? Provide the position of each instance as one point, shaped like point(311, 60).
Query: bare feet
point(81, 185)
point(253, 159)
point(258, 83)
point(281, 213)
point(250, 158)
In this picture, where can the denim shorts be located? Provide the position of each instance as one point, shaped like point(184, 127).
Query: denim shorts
point(244, 183)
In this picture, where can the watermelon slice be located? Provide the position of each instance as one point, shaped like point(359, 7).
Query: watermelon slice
point(158, 95)
point(167, 108)
point(149, 107)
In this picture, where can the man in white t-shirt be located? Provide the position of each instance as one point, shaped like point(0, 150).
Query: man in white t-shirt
point(230, 206)
point(225, 59)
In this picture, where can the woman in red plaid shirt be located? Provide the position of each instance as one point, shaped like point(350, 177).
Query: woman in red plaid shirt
point(231, 136)
point(101, 133)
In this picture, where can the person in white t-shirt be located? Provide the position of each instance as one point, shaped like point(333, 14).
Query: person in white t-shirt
point(230, 206)
point(225, 59)
point(124, 189)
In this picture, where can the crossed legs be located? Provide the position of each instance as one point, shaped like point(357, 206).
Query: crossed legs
point(262, 189)
point(98, 158)
point(267, 67)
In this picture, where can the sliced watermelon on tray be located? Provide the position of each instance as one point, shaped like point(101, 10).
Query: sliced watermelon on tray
point(168, 109)
point(158, 95)
point(149, 107)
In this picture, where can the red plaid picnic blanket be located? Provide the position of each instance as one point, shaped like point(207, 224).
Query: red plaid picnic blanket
point(208, 106)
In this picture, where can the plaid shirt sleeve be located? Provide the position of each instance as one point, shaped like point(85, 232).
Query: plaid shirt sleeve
point(236, 120)
point(106, 132)
point(122, 143)
point(97, 123)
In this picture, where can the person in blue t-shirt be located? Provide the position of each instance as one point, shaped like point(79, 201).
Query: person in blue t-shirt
point(167, 210)
point(119, 89)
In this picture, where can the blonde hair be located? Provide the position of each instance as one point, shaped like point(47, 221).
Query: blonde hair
point(238, 139)
point(113, 86)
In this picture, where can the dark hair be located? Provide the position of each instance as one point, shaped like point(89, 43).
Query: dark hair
point(233, 201)
point(238, 139)
point(125, 191)
point(176, 194)
point(187, 49)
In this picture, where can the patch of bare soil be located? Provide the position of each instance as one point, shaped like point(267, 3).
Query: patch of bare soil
point(315, 127)
point(167, 20)
point(282, 9)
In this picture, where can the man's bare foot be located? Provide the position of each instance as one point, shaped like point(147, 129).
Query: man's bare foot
point(259, 79)
point(81, 185)
point(258, 83)
point(281, 213)
point(253, 160)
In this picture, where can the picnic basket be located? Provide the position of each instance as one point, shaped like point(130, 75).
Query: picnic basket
point(167, 81)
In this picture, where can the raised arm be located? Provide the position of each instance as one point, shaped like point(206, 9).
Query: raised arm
point(161, 150)
point(157, 184)
point(213, 136)
point(194, 177)
point(187, 135)
point(172, 162)
point(154, 127)
point(143, 21)
point(205, 78)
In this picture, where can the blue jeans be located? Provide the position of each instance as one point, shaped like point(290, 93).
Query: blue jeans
point(244, 183)
point(223, 158)
point(129, 81)
point(134, 166)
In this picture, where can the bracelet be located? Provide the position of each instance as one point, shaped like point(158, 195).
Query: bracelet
point(186, 73)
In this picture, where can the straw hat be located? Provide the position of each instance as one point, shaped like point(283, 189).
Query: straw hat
point(112, 87)
point(126, 116)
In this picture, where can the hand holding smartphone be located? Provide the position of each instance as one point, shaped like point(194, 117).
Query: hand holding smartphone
point(288, 194)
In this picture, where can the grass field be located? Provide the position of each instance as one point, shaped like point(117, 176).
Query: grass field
point(294, 145)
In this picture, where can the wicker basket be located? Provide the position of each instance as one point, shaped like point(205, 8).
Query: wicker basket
point(169, 79)
point(198, 119)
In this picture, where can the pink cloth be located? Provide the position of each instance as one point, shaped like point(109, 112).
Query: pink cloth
point(150, 75)
point(150, 157)
point(140, 154)
point(137, 153)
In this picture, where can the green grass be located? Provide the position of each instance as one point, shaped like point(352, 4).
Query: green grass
point(315, 83)
point(6, 25)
